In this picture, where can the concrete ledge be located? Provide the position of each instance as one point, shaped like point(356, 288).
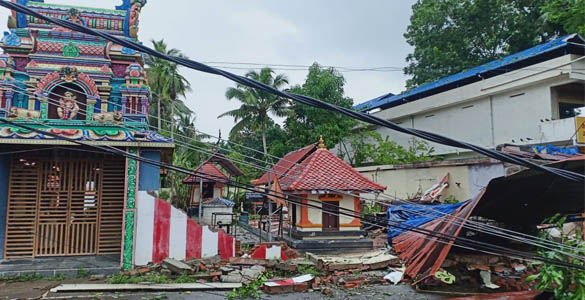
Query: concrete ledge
point(328, 234)
point(332, 246)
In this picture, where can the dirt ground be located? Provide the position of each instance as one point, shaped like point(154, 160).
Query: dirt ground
point(40, 290)
point(33, 289)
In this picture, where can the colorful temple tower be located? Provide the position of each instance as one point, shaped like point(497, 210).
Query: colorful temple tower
point(58, 198)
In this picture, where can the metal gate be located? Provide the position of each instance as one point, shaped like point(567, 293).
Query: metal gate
point(62, 207)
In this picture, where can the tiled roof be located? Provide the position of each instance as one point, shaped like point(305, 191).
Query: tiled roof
point(285, 163)
point(207, 169)
point(323, 170)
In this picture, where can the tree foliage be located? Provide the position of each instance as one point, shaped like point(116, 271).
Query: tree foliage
point(168, 84)
point(450, 36)
point(257, 106)
point(367, 147)
point(567, 283)
point(306, 124)
point(565, 15)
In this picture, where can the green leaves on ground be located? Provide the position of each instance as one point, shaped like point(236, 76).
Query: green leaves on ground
point(565, 282)
point(250, 290)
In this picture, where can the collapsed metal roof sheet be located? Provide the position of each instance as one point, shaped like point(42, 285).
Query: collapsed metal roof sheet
point(526, 197)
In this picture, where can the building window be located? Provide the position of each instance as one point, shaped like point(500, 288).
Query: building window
point(567, 110)
point(207, 191)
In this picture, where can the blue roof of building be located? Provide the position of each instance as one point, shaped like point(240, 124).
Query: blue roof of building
point(222, 202)
point(493, 68)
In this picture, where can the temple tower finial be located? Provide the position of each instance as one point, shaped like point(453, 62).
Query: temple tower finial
point(321, 145)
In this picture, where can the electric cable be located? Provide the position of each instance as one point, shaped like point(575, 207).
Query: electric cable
point(171, 167)
point(298, 98)
point(419, 213)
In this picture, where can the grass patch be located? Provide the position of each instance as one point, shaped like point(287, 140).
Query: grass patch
point(82, 273)
point(308, 269)
point(22, 278)
point(58, 277)
point(33, 277)
point(185, 278)
point(251, 290)
point(150, 277)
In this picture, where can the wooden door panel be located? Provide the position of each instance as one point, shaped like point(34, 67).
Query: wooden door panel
point(330, 216)
point(59, 207)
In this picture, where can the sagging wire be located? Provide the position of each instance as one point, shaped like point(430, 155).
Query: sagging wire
point(285, 197)
point(471, 224)
point(299, 98)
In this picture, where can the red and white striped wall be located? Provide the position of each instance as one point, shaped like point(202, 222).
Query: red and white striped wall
point(269, 252)
point(164, 231)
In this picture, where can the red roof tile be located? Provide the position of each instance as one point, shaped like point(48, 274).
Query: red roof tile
point(207, 169)
point(324, 170)
point(285, 163)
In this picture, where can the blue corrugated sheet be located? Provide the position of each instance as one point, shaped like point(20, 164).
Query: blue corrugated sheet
point(221, 201)
point(500, 65)
point(409, 216)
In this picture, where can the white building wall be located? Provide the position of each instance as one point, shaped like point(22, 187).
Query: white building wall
point(517, 113)
point(502, 109)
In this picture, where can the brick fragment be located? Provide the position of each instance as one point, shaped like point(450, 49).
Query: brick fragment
point(301, 287)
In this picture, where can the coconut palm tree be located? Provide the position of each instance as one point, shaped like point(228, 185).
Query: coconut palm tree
point(167, 83)
point(257, 106)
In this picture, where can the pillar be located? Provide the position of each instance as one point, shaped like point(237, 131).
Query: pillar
point(144, 102)
point(9, 95)
point(2, 99)
point(4, 175)
point(124, 101)
point(44, 106)
point(129, 227)
point(89, 109)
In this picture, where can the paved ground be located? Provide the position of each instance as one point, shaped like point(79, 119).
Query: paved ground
point(68, 266)
point(38, 290)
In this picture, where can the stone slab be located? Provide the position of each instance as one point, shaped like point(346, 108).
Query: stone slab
point(99, 287)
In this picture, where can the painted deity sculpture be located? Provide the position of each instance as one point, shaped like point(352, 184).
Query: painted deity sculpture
point(108, 117)
point(16, 113)
point(68, 107)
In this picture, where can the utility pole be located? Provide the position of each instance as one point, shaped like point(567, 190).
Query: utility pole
point(200, 197)
point(269, 209)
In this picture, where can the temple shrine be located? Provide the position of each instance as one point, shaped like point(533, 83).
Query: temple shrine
point(58, 198)
point(316, 176)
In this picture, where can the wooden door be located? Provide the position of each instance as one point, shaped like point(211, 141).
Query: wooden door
point(65, 206)
point(330, 216)
point(68, 207)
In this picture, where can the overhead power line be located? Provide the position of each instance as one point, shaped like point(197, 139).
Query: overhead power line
point(477, 226)
point(299, 98)
point(434, 235)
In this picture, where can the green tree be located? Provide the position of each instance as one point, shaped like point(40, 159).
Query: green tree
point(305, 124)
point(567, 283)
point(168, 84)
point(565, 15)
point(450, 36)
point(257, 106)
point(367, 147)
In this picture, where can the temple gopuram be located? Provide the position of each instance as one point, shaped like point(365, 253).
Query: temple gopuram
point(58, 198)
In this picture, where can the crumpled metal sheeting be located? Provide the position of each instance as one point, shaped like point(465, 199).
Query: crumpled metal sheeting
point(423, 253)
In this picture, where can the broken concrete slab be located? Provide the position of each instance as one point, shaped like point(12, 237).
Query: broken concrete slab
point(176, 266)
point(296, 284)
point(372, 260)
point(101, 287)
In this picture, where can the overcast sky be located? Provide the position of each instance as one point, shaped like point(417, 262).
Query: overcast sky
point(335, 32)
